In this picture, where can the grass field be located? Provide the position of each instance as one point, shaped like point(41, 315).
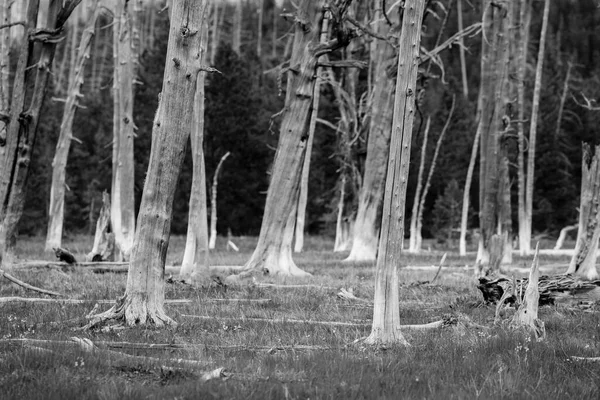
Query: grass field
point(274, 360)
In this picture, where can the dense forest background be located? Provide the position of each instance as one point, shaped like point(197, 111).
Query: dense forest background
point(244, 99)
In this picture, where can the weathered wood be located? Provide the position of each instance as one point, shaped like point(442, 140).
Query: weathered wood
point(26, 285)
point(104, 241)
point(34, 300)
point(563, 235)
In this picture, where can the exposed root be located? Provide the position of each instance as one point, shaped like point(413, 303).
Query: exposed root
point(131, 311)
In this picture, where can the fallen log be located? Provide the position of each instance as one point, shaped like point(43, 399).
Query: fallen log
point(26, 285)
point(112, 266)
point(15, 299)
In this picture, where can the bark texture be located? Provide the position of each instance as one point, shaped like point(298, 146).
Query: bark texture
point(143, 302)
point(386, 317)
point(583, 262)
point(59, 164)
point(368, 217)
point(31, 72)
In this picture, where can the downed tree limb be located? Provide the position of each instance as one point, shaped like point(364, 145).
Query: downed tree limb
point(440, 268)
point(594, 359)
point(276, 286)
point(348, 294)
point(28, 286)
point(16, 299)
point(115, 267)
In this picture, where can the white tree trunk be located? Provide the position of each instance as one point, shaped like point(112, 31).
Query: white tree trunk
point(123, 200)
point(464, 218)
point(386, 316)
point(59, 164)
point(195, 255)
point(461, 51)
point(4, 68)
point(237, 28)
point(212, 242)
point(412, 244)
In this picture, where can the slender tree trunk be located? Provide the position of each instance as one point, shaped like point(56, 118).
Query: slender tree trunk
point(533, 132)
point(236, 43)
point(368, 217)
point(461, 51)
point(412, 246)
point(340, 231)
point(563, 235)
point(273, 252)
point(143, 302)
point(583, 262)
point(59, 164)
point(4, 69)
point(213, 204)
point(563, 99)
point(123, 200)
point(274, 33)
point(15, 156)
point(464, 219)
point(303, 197)
point(386, 316)
point(195, 255)
point(438, 145)
point(523, 31)
point(261, 7)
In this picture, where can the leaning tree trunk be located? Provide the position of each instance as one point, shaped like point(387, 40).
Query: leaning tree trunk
point(31, 72)
point(212, 242)
point(273, 253)
point(493, 107)
point(412, 241)
point(195, 255)
point(583, 262)
point(532, 131)
point(368, 217)
point(386, 315)
point(123, 200)
point(59, 164)
point(143, 302)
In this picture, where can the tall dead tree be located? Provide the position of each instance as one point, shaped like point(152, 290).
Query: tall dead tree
point(273, 253)
point(583, 262)
point(59, 164)
point(386, 316)
point(143, 302)
point(5, 7)
point(368, 217)
point(494, 124)
point(122, 193)
point(526, 240)
point(32, 71)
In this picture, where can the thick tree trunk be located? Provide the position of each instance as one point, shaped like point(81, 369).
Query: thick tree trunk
point(368, 217)
point(104, 241)
point(273, 253)
point(583, 262)
point(386, 316)
point(143, 302)
point(123, 200)
point(15, 155)
point(533, 131)
point(195, 255)
point(493, 104)
point(213, 203)
point(59, 164)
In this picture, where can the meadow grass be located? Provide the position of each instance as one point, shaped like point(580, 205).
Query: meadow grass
point(449, 363)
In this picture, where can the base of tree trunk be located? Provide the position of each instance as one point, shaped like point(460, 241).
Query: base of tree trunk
point(380, 338)
point(362, 251)
point(132, 310)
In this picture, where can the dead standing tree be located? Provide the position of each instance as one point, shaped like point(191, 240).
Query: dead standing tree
point(143, 302)
point(273, 253)
point(31, 72)
point(386, 316)
point(59, 164)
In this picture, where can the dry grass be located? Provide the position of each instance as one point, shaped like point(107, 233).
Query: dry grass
point(444, 364)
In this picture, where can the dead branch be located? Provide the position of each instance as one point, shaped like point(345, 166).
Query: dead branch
point(440, 268)
point(276, 286)
point(585, 358)
point(28, 286)
point(587, 104)
point(470, 30)
point(348, 294)
point(343, 64)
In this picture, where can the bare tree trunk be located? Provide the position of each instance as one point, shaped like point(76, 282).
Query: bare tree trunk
point(368, 217)
point(261, 7)
point(563, 235)
point(412, 246)
point(59, 164)
point(236, 43)
point(523, 40)
point(583, 262)
point(273, 251)
point(215, 30)
point(15, 156)
point(195, 255)
point(5, 8)
point(533, 131)
point(464, 219)
point(213, 203)
point(123, 200)
point(143, 302)
point(303, 197)
point(104, 241)
point(461, 51)
point(340, 243)
point(438, 145)
point(386, 316)
point(274, 33)
point(563, 99)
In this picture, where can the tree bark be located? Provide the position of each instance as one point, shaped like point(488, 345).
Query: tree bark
point(533, 132)
point(195, 255)
point(368, 217)
point(143, 302)
point(59, 164)
point(386, 317)
point(4, 69)
point(213, 203)
point(273, 251)
point(583, 262)
point(15, 155)
point(123, 200)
